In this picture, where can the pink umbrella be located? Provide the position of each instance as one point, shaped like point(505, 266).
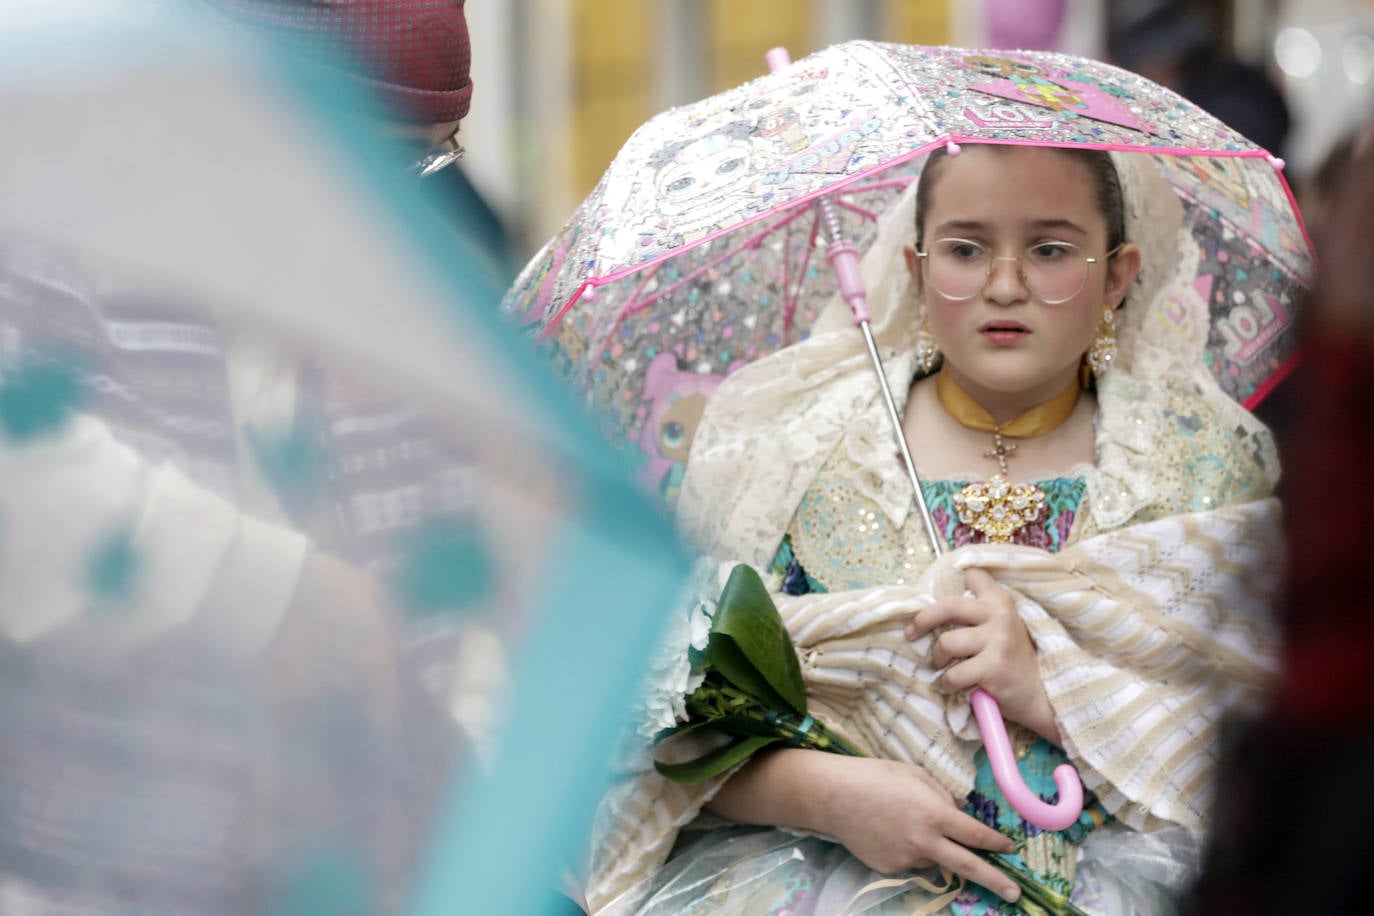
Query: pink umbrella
point(698, 249)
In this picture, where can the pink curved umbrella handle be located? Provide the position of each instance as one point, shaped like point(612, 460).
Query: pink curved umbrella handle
point(1008, 777)
point(844, 257)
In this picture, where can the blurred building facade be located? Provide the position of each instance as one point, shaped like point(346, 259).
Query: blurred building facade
point(561, 84)
point(1323, 51)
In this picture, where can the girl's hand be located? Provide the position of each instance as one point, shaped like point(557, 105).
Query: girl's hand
point(892, 816)
point(988, 646)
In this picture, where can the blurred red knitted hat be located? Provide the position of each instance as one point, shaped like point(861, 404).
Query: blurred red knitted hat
point(415, 53)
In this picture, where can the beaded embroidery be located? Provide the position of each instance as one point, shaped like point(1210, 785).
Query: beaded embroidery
point(999, 509)
point(848, 543)
point(844, 540)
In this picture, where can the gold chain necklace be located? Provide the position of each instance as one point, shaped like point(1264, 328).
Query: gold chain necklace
point(998, 509)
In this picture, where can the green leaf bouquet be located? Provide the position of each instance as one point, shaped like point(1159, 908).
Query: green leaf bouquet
point(745, 683)
point(739, 677)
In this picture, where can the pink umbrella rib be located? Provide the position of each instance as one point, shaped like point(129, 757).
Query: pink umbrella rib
point(609, 335)
point(790, 206)
point(1226, 221)
point(790, 297)
point(639, 305)
point(1302, 224)
point(905, 157)
point(636, 305)
point(1256, 153)
point(860, 187)
point(650, 266)
point(855, 208)
point(883, 166)
point(648, 276)
point(562, 312)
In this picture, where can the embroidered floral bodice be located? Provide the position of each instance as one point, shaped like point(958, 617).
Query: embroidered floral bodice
point(838, 540)
point(845, 541)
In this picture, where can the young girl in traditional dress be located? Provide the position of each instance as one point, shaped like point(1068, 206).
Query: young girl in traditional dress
point(1109, 555)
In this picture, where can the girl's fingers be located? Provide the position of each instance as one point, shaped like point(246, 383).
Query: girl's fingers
point(956, 610)
point(969, 831)
point(986, 588)
point(960, 642)
point(964, 676)
point(981, 583)
point(970, 865)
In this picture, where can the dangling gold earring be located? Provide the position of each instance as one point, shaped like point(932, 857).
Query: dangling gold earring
point(1103, 350)
point(927, 350)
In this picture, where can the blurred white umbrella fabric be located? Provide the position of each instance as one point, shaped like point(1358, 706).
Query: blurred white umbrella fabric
point(288, 520)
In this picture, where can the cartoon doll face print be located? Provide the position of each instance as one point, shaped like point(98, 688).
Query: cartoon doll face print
point(708, 167)
point(678, 425)
point(1002, 66)
point(676, 399)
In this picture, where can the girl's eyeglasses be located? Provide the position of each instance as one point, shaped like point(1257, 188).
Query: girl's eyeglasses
point(1053, 271)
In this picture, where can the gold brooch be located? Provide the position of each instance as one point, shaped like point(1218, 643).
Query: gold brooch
point(998, 508)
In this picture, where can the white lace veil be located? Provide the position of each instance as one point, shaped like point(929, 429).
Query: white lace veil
point(772, 424)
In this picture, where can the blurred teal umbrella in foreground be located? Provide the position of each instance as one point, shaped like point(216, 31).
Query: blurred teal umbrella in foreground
point(289, 523)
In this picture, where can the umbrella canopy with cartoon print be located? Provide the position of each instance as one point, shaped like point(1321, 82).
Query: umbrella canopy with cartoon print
point(701, 249)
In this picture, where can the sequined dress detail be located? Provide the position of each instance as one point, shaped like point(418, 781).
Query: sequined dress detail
point(837, 540)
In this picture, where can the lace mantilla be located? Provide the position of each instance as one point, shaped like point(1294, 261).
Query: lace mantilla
point(771, 425)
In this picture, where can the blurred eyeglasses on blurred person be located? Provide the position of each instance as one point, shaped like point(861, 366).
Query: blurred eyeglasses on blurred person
point(446, 153)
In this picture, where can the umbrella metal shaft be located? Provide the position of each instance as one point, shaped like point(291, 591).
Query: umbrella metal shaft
point(843, 256)
point(935, 544)
point(1056, 816)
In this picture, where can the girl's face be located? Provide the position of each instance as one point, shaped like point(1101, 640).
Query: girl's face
point(1005, 342)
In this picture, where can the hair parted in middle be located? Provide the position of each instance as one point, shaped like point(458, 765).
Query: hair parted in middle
point(1107, 185)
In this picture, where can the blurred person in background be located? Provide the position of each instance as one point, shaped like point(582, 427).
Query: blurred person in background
point(1320, 191)
point(1291, 833)
point(139, 440)
point(416, 59)
point(414, 55)
point(1173, 43)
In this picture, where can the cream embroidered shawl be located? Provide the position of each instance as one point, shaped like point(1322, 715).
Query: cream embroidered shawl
point(1146, 637)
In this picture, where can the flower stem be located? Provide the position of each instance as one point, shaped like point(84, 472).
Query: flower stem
point(804, 731)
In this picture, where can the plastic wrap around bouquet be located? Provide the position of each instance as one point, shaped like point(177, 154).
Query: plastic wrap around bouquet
point(731, 669)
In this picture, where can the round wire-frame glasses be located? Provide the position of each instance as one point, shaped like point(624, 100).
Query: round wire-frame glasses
point(1052, 271)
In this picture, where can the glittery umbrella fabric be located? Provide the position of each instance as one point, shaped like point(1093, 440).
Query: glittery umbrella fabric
point(699, 249)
